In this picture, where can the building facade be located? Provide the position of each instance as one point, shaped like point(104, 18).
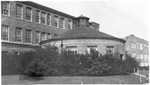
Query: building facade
point(24, 24)
point(82, 39)
point(138, 48)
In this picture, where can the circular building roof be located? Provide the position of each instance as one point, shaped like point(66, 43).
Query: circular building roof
point(83, 32)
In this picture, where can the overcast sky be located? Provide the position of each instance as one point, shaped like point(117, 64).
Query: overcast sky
point(119, 18)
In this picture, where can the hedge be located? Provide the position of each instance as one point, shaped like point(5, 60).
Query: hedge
point(48, 62)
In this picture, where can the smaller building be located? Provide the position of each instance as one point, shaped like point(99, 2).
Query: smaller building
point(83, 38)
point(138, 48)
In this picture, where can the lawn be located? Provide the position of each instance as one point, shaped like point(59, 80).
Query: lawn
point(144, 72)
point(121, 79)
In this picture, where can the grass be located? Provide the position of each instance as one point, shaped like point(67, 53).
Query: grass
point(144, 72)
point(120, 79)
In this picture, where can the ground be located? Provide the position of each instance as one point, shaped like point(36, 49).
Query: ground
point(121, 79)
point(118, 79)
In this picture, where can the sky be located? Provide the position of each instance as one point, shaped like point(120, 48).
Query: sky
point(119, 18)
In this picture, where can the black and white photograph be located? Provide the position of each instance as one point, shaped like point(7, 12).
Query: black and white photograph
point(75, 42)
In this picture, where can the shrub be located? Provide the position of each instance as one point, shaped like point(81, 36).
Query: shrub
point(9, 63)
point(38, 62)
point(130, 63)
point(42, 62)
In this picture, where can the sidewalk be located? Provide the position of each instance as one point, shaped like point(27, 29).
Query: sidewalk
point(145, 82)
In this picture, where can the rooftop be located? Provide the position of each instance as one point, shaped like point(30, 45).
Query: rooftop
point(33, 4)
point(83, 32)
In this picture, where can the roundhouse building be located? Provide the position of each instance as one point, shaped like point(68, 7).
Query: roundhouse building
point(83, 38)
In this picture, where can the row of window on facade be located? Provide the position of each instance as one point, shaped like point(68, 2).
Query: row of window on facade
point(41, 16)
point(40, 36)
point(109, 49)
point(138, 46)
point(140, 56)
point(144, 64)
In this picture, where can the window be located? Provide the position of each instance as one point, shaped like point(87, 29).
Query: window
point(146, 64)
point(141, 56)
point(62, 23)
point(142, 64)
point(83, 21)
point(145, 57)
point(28, 14)
point(133, 45)
point(18, 35)
point(38, 16)
point(109, 49)
point(69, 24)
point(72, 48)
point(48, 19)
point(56, 21)
point(137, 45)
point(4, 32)
point(91, 47)
point(141, 46)
point(133, 55)
point(43, 17)
point(37, 37)
point(28, 36)
point(49, 36)
point(19, 10)
point(43, 36)
point(5, 8)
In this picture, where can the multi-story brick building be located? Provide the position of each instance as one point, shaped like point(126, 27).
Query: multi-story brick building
point(138, 48)
point(24, 24)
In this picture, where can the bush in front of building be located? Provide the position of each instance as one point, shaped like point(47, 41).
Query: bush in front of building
point(48, 62)
point(39, 62)
point(130, 64)
point(9, 63)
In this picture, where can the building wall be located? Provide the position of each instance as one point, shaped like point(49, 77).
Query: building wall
point(94, 25)
point(83, 43)
point(13, 22)
point(138, 48)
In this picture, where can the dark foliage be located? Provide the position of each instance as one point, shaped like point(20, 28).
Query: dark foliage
point(47, 62)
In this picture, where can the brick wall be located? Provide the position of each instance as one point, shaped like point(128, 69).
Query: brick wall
point(13, 22)
point(83, 43)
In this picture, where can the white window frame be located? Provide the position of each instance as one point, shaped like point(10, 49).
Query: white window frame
point(137, 45)
point(63, 22)
point(8, 7)
point(50, 35)
point(38, 35)
point(72, 48)
point(45, 17)
point(7, 31)
point(22, 11)
point(31, 14)
point(39, 16)
point(20, 36)
point(141, 56)
point(56, 21)
point(42, 37)
point(70, 23)
point(49, 19)
point(26, 35)
point(133, 45)
point(141, 46)
point(90, 47)
point(109, 49)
